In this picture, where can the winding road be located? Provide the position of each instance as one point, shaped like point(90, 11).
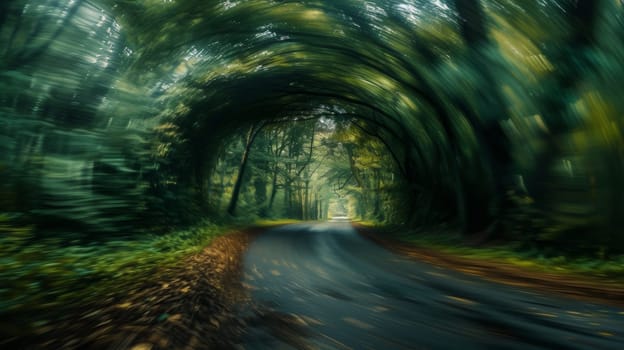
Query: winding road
point(323, 286)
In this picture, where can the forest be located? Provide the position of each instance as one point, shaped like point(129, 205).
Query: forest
point(133, 125)
point(494, 118)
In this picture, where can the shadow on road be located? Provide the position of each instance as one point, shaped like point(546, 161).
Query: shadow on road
point(322, 285)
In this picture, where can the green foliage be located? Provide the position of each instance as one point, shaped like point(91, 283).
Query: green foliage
point(500, 118)
point(51, 273)
point(552, 260)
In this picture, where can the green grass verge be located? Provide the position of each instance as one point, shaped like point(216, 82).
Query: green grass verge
point(275, 222)
point(48, 275)
point(513, 253)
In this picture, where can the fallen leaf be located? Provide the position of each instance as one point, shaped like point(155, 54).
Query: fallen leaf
point(380, 309)
point(461, 300)
point(174, 318)
point(357, 323)
point(142, 346)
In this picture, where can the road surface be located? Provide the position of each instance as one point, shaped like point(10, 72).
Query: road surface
point(323, 286)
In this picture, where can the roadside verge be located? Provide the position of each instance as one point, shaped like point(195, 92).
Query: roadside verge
point(186, 305)
point(593, 289)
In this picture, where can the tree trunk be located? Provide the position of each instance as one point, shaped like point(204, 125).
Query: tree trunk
point(377, 198)
point(480, 210)
point(306, 201)
point(251, 136)
point(273, 188)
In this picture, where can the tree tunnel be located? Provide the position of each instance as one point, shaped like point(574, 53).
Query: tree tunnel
point(502, 120)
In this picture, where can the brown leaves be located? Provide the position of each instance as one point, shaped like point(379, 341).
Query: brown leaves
point(188, 306)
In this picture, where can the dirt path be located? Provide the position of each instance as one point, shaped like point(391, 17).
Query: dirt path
point(604, 291)
point(190, 306)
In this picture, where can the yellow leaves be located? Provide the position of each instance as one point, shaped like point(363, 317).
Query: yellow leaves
point(606, 334)
point(168, 129)
point(181, 69)
point(380, 308)
point(440, 34)
point(601, 119)
point(302, 16)
point(601, 115)
point(182, 110)
point(540, 122)
point(311, 321)
point(461, 300)
point(163, 149)
point(408, 102)
point(175, 318)
point(520, 52)
point(436, 274)
point(539, 63)
point(125, 305)
point(357, 323)
point(313, 15)
point(142, 346)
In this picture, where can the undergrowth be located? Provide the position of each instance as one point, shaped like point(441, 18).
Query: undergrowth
point(514, 253)
point(47, 275)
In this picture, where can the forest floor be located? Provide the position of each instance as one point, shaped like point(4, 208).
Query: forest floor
point(195, 302)
point(526, 273)
point(186, 305)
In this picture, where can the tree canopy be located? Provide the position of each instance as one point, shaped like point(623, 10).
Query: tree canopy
point(503, 119)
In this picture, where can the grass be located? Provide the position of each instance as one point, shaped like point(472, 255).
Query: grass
point(275, 222)
point(44, 276)
point(513, 253)
point(47, 275)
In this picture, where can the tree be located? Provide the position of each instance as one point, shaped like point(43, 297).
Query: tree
point(249, 140)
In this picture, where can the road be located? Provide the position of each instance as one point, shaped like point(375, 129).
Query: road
point(323, 286)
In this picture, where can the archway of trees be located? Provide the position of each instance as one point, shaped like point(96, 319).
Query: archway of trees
point(503, 120)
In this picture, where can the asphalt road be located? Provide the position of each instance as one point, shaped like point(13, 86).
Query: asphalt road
point(323, 286)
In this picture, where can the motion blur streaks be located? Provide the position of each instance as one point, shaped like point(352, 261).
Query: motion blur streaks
point(365, 297)
point(127, 126)
point(502, 116)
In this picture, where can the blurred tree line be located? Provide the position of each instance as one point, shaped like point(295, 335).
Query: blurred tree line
point(304, 169)
point(501, 118)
